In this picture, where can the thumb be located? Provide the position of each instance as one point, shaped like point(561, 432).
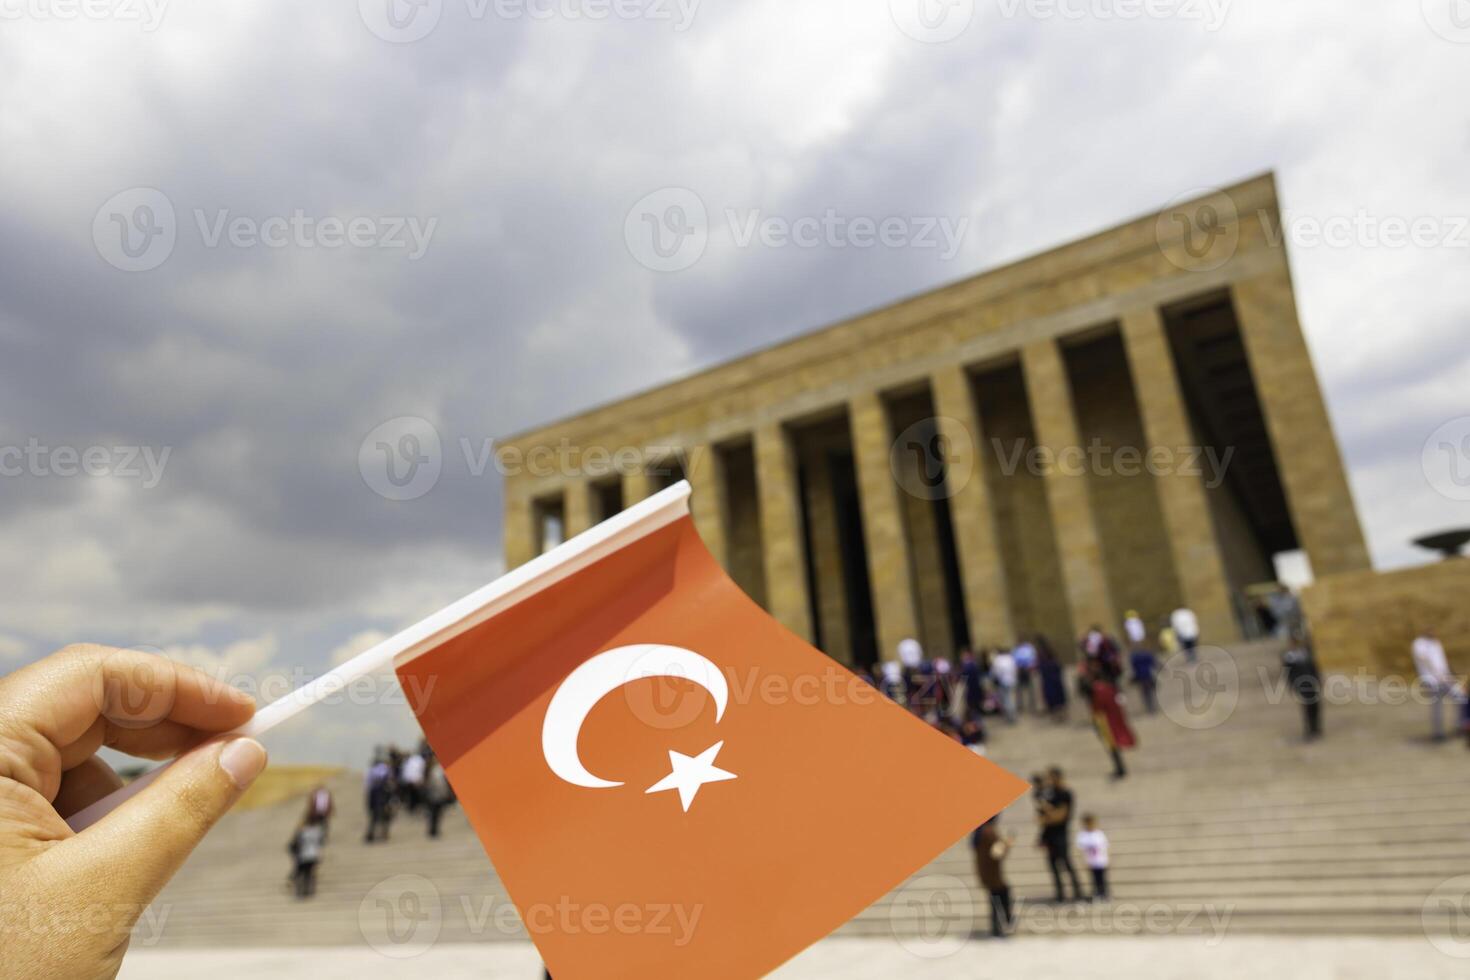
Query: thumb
point(132, 852)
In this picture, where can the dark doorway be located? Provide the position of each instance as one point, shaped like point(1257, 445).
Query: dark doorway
point(857, 590)
point(607, 498)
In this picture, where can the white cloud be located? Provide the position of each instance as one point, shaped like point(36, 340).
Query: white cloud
point(359, 643)
point(13, 649)
point(248, 658)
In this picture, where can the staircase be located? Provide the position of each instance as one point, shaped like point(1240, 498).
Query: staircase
point(1229, 823)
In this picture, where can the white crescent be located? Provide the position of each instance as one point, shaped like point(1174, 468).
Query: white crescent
point(602, 675)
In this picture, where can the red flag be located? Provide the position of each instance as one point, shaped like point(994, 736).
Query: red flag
point(669, 782)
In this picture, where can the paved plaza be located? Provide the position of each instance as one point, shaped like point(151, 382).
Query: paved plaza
point(872, 959)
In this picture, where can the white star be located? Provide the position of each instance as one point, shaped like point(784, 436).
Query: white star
point(690, 773)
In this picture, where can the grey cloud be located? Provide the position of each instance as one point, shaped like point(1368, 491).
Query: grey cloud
point(529, 142)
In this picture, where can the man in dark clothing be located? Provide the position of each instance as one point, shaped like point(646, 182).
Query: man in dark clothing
point(1056, 820)
point(379, 786)
point(1145, 674)
point(1306, 683)
point(990, 854)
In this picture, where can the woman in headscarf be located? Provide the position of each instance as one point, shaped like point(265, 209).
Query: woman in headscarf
point(1108, 716)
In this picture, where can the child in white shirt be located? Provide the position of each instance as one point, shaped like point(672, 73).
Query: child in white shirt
point(1093, 844)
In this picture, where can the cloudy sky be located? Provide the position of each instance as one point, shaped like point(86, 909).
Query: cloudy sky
point(235, 238)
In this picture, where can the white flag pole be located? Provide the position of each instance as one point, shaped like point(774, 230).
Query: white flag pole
point(638, 521)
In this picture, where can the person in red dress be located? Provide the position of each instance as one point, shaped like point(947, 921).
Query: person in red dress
point(1098, 676)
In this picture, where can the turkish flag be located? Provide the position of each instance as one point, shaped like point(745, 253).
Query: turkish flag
point(670, 783)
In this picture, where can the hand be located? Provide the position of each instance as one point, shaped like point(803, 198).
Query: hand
point(68, 901)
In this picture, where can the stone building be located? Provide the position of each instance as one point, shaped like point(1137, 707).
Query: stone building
point(1129, 421)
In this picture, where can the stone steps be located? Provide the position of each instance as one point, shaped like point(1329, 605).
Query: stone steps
point(1243, 822)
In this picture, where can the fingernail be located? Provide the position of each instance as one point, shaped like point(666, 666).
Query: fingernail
point(242, 760)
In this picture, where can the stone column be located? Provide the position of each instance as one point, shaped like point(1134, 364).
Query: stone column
point(1049, 392)
point(982, 569)
point(781, 533)
point(884, 535)
point(518, 531)
point(1316, 485)
point(637, 485)
point(705, 473)
point(1198, 563)
point(577, 508)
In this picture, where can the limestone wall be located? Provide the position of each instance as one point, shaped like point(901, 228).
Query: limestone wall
point(1369, 619)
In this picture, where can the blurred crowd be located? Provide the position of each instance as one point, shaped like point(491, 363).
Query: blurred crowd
point(396, 783)
point(961, 698)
